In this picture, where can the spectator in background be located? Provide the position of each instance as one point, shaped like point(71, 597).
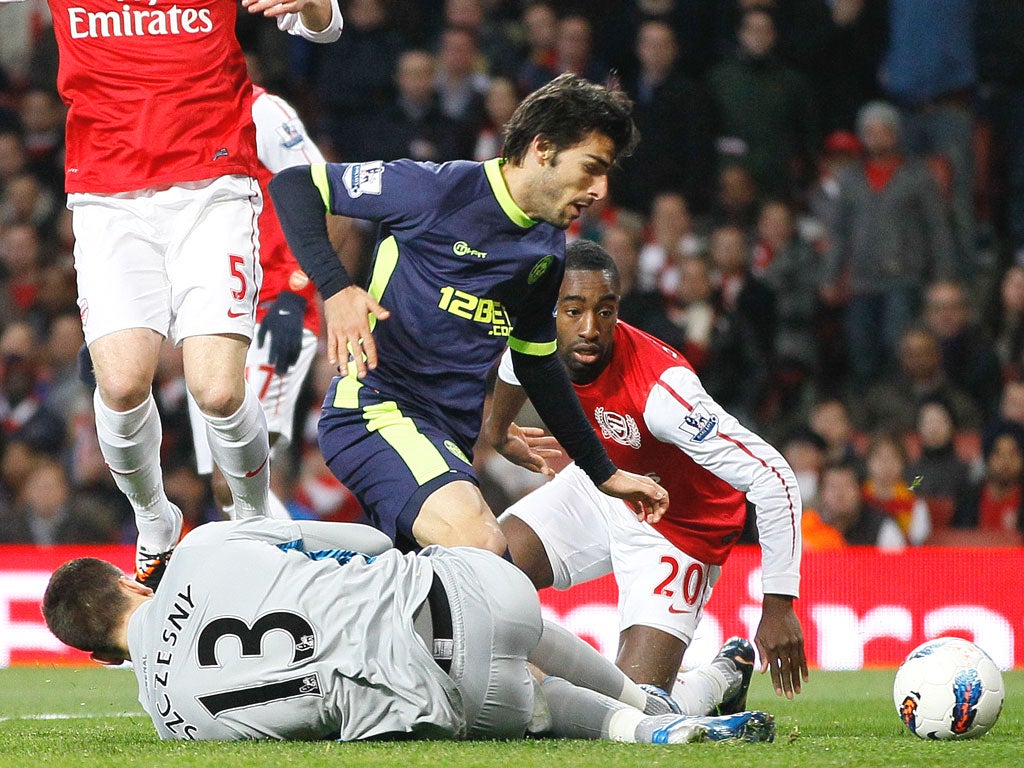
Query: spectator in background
point(830, 419)
point(671, 239)
point(806, 452)
point(792, 270)
point(929, 71)
point(461, 82)
point(500, 102)
point(941, 477)
point(994, 504)
point(23, 411)
point(65, 389)
point(736, 200)
point(540, 64)
point(841, 506)
point(764, 110)
point(13, 156)
point(1006, 322)
point(353, 79)
point(414, 126)
point(967, 354)
point(483, 19)
point(574, 49)
point(20, 257)
point(887, 488)
point(999, 48)
point(692, 311)
point(43, 115)
point(892, 403)
point(27, 200)
point(47, 512)
point(738, 291)
point(889, 237)
point(671, 111)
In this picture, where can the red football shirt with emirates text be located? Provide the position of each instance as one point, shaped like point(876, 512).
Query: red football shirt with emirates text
point(157, 93)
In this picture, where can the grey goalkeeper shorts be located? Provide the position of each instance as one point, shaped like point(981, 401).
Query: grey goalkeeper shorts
point(496, 624)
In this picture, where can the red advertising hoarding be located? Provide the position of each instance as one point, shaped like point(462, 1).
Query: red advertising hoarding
point(859, 607)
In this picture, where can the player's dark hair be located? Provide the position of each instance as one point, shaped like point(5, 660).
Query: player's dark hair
point(565, 112)
point(588, 256)
point(83, 604)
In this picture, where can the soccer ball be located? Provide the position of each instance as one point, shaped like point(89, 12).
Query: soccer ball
point(948, 688)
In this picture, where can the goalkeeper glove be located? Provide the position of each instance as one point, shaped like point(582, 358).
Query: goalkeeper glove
point(284, 323)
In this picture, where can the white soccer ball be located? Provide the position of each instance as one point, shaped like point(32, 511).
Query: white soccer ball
point(948, 688)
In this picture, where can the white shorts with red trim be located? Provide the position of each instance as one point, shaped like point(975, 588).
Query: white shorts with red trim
point(183, 261)
point(587, 534)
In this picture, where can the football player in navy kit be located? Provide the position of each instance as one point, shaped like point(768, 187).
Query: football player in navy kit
point(469, 259)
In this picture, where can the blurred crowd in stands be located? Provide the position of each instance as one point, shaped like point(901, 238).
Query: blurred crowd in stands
point(825, 215)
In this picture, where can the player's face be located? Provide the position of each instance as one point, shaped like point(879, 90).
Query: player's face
point(588, 307)
point(570, 180)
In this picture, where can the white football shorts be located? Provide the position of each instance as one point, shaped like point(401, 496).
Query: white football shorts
point(588, 534)
point(278, 396)
point(183, 261)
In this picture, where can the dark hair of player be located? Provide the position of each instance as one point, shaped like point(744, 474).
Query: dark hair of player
point(588, 256)
point(565, 112)
point(83, 604)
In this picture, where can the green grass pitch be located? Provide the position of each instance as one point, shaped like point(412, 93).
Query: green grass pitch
point(70, 717)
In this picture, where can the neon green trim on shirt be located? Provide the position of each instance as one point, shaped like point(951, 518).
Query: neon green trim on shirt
point(492, 168)
point(532, 347)
point(383, 268)
point(319, 173)
point(399, 431)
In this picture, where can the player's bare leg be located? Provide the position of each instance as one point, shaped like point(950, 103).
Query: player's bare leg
point(456, 515)
point(129, 432)
point(235, 422)
point(528, 552)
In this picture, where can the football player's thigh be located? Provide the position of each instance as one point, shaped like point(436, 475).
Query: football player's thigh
point(570, 518)
point(660, 586)
point(119, 263)
point(213, 265)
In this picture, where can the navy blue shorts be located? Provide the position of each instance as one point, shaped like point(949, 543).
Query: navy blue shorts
point(391, 459)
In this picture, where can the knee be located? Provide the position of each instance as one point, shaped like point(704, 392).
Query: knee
point(478, 533)
point(123, 390)
point(218, 398)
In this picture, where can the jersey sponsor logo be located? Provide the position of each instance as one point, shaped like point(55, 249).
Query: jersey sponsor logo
point(615, 426)
point(129, 21)
point(479, 310)
point(289, 134)
point(540, 269)
point(364, 178)
point(462, 248)
point(700, 424)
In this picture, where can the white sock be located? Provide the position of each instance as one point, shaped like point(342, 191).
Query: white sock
point(241, 449)
point(700, 690)
point(579, 713)
point(623, 725)
point(561, 653)
point(130, 443)
point(276, 508)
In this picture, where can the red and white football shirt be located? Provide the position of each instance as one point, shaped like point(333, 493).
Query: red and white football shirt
point(655, 418)
point(281, 142)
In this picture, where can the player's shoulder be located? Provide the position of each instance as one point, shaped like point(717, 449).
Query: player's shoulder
point(645, 348)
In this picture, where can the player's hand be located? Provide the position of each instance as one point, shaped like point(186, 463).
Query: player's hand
point(529, 447)
point(780, 643)
point(274, 8)
point(648, 499)
point(348, 329)
point(284, 323)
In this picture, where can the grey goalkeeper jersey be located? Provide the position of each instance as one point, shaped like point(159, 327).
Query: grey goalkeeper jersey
point(255, 634)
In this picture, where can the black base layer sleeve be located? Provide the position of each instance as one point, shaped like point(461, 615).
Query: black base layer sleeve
point(300, 208)
point(546, 382)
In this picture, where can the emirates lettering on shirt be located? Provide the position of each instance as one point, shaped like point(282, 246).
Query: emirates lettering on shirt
point(136, 22)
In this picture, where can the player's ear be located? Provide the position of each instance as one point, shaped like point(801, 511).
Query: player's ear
point(106, 659)
point(133, 586)
point(542, 149)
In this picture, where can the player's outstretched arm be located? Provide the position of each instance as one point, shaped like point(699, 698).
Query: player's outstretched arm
point(780, 642)
point(528, 447)
point(648, 499)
